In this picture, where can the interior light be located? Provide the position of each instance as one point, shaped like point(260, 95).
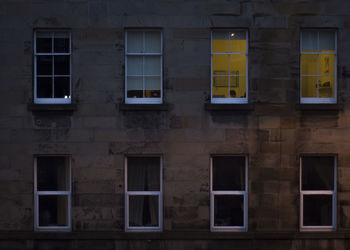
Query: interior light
point(232, 34)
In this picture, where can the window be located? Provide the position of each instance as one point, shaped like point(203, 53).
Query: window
point(229, 195)
point(52, 67)
point(143, 71)
point(318, 65)
point(52, 193)
point(229, 71)
point(143, 199)
point(318, 193)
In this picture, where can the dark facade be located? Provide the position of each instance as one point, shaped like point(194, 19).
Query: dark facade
point(97, 131)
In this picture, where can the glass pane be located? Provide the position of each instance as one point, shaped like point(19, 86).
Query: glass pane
point(220, 65)
point(228, 173)
point(318, 173)
point(238, 86)
point(53, 174)
point(326, 86)
point(326, 64)
point(143, 211)
point(135, 65)
point(308, 86)
point(62, 89)
point(237, 64)
point(135, 41)
point(238, 43)
point(327, 41)
point(152, 42)
point(143, 174)
point(44, 87)
point(309, 64)
point(44, 65)
point(43, 42)
point(309, 41)
point(62, 65)
point(220, 42)
point(152, 65)
point(220, 87)
point(135, 87)
point(61, 43)
point(228, 210)
point(152, 87)
point(53, 210)
point(317, 210)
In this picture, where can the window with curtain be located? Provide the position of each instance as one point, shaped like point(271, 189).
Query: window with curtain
point(143, 194)
point(318, 66)
point(143, 71)
point(318, 193)
point(229, 71)
point(52, 193)
point(229, 196)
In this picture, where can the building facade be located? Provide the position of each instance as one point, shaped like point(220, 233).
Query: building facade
point(174, 124)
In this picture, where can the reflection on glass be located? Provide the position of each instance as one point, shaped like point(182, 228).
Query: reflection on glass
point(327, 41)
point(53, 210)
point(228, 173)
point(135, 65)
point(135, 87)
point(143, 174)
point(135, 42)
point(228, 210)
point(317, 210)
point(152, 42)
point(143, 211)
point(44, 87)
point(318, 173)
point(309, 86)
point(309, 41)
point(152, 65)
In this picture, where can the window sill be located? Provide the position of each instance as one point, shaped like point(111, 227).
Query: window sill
point(68, 108)
point(143, 107)
point(319, 107)
point(229, 107)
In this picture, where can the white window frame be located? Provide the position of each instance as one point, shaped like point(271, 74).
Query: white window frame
point(150, 193)
point(319, 100)
point(229, 100)
point(53, 100)
point(55, 193)
point(316, 192)
point(243, 228)
point(143, 100)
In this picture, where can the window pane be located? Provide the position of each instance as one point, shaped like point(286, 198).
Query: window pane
point(135, 42)
point(220, 87)
point(44, 65)
point(53, 210)
point(44, 87)
point(52, 174)
point(326, 64)
point(135, 87)
point(62, 65)
point(309, 64)
point(238, 43)
point(220, 42)
point(152, 65)
point(327, 41)
point(317, 210)
point(62, 89)
point(326, 86)
point(228, 210)
point(61, 43)
point(152, 42)
point(309, 41)
point(238, 86)
point(318, 173)
point(143, 174)
point(228, 173)
point(135, 65)
point(143, 211)
point(43, 42)
point(237, 64)
point(308, 86)
point(152, 87)
point(220, 64)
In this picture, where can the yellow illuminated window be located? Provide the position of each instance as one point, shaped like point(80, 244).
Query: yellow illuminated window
point(318, 66)
point(229, 55)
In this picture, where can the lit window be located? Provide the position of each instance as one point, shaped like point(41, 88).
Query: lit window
point(52, 193)
point(143, 199)
point(318, 66)
point(229, 196)
point(229, 71)
point(52, 67)
point(143, 71)
point(318, 193)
